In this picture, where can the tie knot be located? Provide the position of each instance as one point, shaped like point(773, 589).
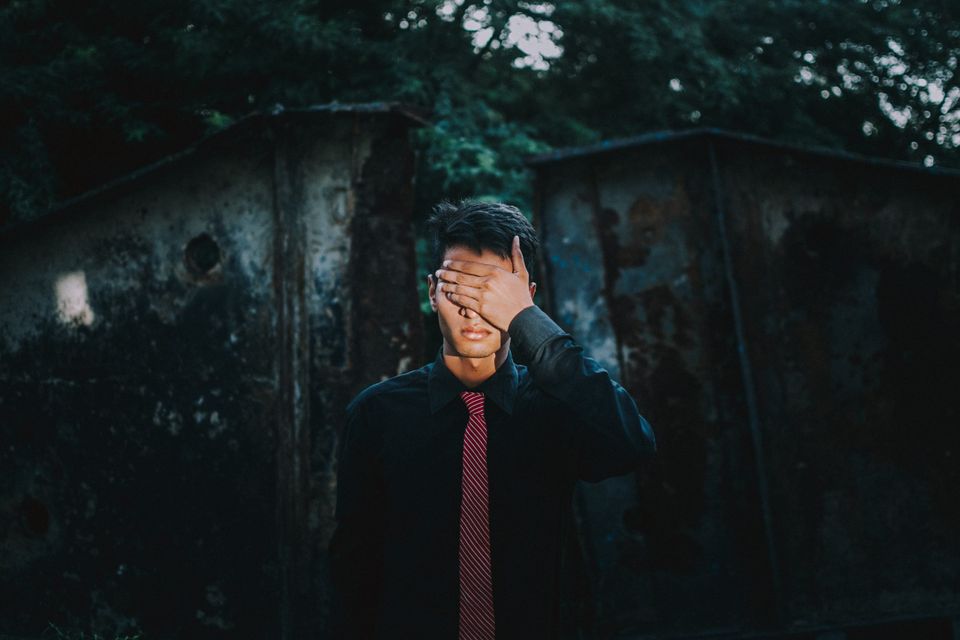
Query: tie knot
point(474, 401)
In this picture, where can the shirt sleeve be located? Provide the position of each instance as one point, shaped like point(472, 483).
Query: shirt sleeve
point(605, 428)
point(356, 548)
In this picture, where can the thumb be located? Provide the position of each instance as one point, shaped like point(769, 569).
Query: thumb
point(516, 258)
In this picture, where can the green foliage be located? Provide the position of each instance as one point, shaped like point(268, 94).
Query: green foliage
point(473, 150)
point(63, 634)
point(423, 291)
point(89, 91)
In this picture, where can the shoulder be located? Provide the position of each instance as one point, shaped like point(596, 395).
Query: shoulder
point(390, 389)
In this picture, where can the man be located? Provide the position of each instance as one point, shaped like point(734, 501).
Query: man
point(455, 480)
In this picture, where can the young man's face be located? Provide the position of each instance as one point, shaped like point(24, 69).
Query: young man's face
point(457, 323)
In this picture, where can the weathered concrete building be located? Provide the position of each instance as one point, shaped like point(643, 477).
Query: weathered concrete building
point(787, 318)
point(174, 351)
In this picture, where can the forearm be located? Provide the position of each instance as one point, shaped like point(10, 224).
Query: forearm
point(609, 431)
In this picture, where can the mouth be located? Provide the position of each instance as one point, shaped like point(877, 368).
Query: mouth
point(474, 334)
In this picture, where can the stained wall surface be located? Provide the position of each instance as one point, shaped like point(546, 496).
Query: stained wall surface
point(786, 319)
point(175, 354)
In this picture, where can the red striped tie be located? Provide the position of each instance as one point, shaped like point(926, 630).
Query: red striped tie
point(476, 585)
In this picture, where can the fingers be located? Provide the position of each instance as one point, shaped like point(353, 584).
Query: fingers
point(462, 300)
point(449, 275)
point(469, 267)
point(457, 292)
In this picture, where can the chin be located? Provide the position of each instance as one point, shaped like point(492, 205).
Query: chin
point(476, 347)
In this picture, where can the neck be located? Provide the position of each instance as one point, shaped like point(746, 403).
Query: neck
point(473, 371)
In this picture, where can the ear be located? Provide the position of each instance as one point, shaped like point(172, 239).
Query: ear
point(432, 290)
point(533, 289)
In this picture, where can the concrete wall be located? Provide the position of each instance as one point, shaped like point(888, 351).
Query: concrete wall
point(786, 320)
point(175, 354)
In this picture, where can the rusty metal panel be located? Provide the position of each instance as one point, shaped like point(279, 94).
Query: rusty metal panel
point(849, 276)
point(634, 275)
point(175, 352)
point(786, 318)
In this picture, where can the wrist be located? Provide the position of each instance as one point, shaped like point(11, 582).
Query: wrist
point(517, 313)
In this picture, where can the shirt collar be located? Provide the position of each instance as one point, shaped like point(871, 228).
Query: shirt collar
point(501, 387)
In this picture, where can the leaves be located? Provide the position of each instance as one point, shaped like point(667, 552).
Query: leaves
point(89, 91)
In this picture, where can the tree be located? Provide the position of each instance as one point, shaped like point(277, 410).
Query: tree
point(89, 92)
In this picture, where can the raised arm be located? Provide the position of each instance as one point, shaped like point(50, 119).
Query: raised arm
point(356, 548)
point(610, 436)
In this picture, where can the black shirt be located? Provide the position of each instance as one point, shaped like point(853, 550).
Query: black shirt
point(394, 552)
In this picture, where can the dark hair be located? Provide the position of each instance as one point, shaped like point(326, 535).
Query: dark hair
point(479, 226)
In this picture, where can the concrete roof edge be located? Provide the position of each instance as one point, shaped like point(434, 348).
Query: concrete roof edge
point(670, 135)
point(415, 115)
